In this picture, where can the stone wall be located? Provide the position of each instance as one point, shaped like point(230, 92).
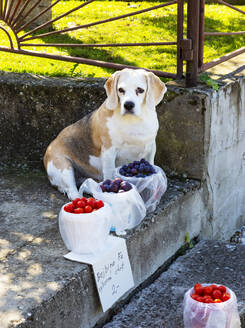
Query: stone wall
point(224, 174)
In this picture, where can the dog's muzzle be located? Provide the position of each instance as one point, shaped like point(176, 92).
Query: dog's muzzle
point(129, 106)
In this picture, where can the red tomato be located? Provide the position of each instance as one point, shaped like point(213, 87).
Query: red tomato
point(222, 289)
point(199, 299)
point(99, 204)
point(84, 199)
point(214, 287)
point(91, 202)
point(194, 296)
point(207, 290)
point(198, 289)
point(217, 294)
point(78, 210)
point(69, 208)
point(88, 209)
point(207, 299)
point(217, 300)
point(225, 297)
point(81, 203)
point(74, 202)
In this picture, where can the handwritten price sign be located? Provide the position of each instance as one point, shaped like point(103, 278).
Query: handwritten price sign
point(112, 270)
point(113, 274)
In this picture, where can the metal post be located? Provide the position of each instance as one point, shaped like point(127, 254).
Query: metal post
point(193, 14)
point(180, 20)
point(201, 34)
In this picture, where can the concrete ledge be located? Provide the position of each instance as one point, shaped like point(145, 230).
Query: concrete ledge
point(160, 305)
point(39, 288)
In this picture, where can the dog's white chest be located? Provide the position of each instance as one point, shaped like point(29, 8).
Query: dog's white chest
point(132, 137)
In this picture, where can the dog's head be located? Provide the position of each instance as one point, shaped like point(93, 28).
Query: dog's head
point(130, 89)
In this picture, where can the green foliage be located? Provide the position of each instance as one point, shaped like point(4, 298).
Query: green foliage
point(155, 26)
point(204, 77)
point(188, 241)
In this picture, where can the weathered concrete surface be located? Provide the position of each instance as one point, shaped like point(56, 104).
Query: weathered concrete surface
point(180, 139)
point(34, 109)
point(224, 174)
point(160, 305)
point(39, 288)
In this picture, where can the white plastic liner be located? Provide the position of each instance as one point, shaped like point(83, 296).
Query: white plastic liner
point(85, 232)
point(128, 207)
point(211, 315)
point(151, 188)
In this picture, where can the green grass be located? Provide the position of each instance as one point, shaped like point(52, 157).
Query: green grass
point(155, 26)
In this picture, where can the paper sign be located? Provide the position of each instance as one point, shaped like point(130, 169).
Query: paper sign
point(112, 270)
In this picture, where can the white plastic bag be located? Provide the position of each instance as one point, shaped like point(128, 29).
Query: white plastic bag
point(151, 188)
point(211, 315)
point(87, 232)
point(128, 207)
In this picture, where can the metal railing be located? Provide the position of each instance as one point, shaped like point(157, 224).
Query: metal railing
point(15, 13)
point(196, 36)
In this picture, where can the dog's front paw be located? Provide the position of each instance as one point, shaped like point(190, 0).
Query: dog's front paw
point(108, 176)
point(72, 194)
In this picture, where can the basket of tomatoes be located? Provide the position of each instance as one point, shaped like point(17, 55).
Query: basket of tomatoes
point(210, 306)
point(84, 224)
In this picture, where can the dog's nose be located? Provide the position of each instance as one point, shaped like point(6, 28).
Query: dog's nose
point(129, 105)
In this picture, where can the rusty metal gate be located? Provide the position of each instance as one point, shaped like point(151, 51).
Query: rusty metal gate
point(15, 13)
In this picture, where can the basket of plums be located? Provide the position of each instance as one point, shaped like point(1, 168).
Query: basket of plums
point(85, 224)
point(210, 306)
point(150, 181)
point(128, 208)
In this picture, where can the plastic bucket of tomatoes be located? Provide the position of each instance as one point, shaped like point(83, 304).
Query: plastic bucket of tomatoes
point(210, 306)
point(150, 181)
point(84, 225)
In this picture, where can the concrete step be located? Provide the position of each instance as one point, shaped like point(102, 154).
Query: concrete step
point(39, 288)
point(160, 305)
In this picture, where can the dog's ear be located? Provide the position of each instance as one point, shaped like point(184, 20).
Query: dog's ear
point(155, 90)
point(111, 91)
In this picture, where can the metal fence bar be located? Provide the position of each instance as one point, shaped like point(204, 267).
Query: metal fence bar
point(20, 13)
point(222, 59)
point(14, 12)
point(40, 14)
point(86, 45)
point(10, 6)
point(229, 5)
point(86, 61)
point(57, 18)
point(5, 8)
point(201, 33)
point(180, 21)
point(223, 33)
point(9, 37)
point(193, 13)
point(95, 23)
point(1, 8)
point(28, 12)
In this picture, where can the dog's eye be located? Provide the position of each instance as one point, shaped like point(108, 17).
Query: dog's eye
point(121, 90)
point(140, 90)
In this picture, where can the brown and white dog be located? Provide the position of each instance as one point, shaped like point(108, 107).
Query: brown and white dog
point(122, 130)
